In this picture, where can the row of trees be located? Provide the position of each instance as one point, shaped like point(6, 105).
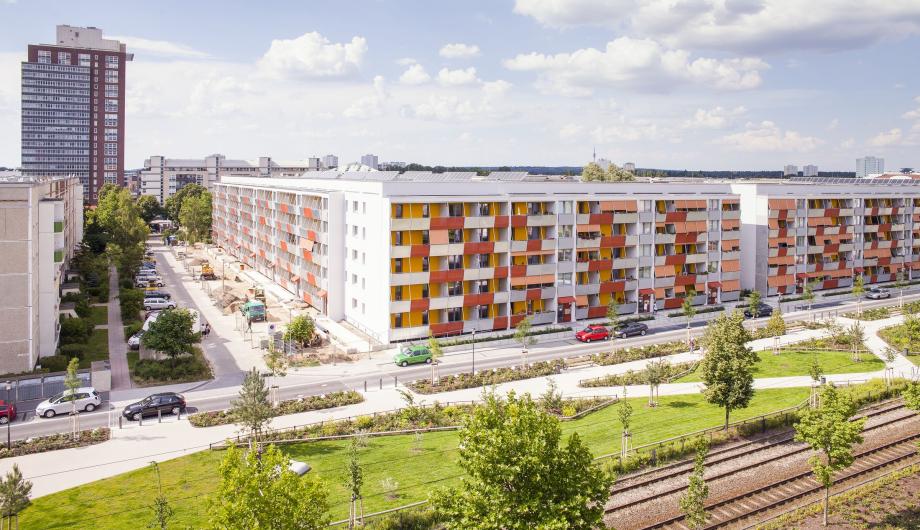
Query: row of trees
point(190, 208)
point(595, 173)
point(116, 226)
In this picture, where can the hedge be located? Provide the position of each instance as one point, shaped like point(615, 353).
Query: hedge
point(637, 353)
point(486, 377)
point(291, 406)
point(630, 377)
point(707, 309)
point(54, 442)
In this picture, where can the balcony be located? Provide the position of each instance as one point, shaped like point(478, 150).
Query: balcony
point(58, 226)
point(59, 256)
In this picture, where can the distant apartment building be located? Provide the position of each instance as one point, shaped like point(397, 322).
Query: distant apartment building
point(869, 165)
point(790, 170)
point(73, 109)
point(810, 170)
point(370, 161)
point(330, 162)
point(162, 177)
point(629, 166)
point(41, 224)
point(405, 256)
point(603, 163)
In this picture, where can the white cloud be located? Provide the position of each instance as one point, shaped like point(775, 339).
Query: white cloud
point(913, 114)
point(496, 88)
point(739, 25)
point(405, 61)
point(463, 105)
point(638, 64)
point(570, 132)
point(457, 77)
point(629, 130)
point(766, 136)
point(848, 144)
point(369, 106)
point(414, 75)
point(459, 51)
point(159, 48)
point(832, 126)
point(714, 118)
point(887, 138)
point(312, 55)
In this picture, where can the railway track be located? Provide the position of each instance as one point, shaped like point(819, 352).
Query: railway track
point(727, 512)
point(736, 451)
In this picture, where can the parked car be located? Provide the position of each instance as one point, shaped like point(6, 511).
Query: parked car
point(158, 303)
point(86, 397)
point(147, 281)
point(763, 310)
point(877, 293)
point(134, 342)
point(412, 355)
point(164, 402)
point(629, 329)
point(157, 294)
point(592, 333)
point(7, 412)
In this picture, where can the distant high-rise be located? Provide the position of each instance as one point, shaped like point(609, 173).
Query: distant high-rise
point(73, 109)
point(629, 166)
point(369, 161)
point(810, 171)
point(330, 161)
point(603, 163)
point(790, 170)
point(869, 165)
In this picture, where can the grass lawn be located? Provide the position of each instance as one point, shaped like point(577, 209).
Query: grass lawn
point(896, 337)
point(123, 501)
point(99, 315)
point(797, 362)
point(97, 348)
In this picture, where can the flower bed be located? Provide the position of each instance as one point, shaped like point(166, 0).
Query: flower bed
point(873, 313)
point(630, 377)
point(54, 442)
point(486, 377)
point(534, 333)
point(700, 311)
point(637, 353)
point(291, 406)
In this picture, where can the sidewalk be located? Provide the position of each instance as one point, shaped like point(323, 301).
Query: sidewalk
point(118, 346)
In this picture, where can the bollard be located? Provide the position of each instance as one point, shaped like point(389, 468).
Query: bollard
point(159, 416)
point(365, 385)
point(381, 383)
point(119, 421)
point(140, 422)
point(395, 382)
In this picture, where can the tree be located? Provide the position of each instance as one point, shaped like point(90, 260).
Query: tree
point(857, 336)
point(754, 300)
point(252, 410)
point(693, 502)
point(277, 364)
point(912, 396)
point(728, 367)
point(815, 372)
point(900, 283)
point(828, 430)
point(617, 174)
point(519, 475)
point(14, 495)
point(689, 312)
point(162, 511)
point(72, 382)
point(131, 302)
point(776, 326)
point(119, 216)
point(911, 326)
point(434, 346)
point(524, 338)
point(592, 172)
point(171, 333)
point(354, 481)
point(73, 330)
point(173, 205)
point(624, 413)
point(656, 372)
point(858, 291)
point(300, 330)
point(613, 313)
point(149, 207)
point(808, 293)
point(258, 490)
point(195, 217)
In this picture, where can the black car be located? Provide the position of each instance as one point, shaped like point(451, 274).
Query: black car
point(629, 329)
point(763, 310)
point(165, 402)
point(157, 294)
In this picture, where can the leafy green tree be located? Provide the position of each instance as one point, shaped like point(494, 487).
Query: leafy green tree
point(173, 205)
point(354, 482)
point(592, 172)
point(72, 382)
point(776, 326)
point(195, 217)
point(693, 502)
point(857, 336)
point(900, 282)
point(434, 346)
point(728, 367)
point(277, 363)
point(258, 490)
point(859, 290)
point(828, 430)
point(162, 511)
point(689, 312)
point(624, 413)
point(808, 293)
point(519, 475)
point(150, 208)
point(74, 330)
point(615, 173)
point(656, 372)
point(300, 330)
point(252, 410)
point(754, 300)
point(171, 333)
point(523, 337)
point(912, 396)
point(613, 313)
point(119, 216)
point(815, 372)
point(911, 326)
point(14, 495)
point(131, 301)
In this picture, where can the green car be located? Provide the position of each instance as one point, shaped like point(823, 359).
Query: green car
point(412, 355)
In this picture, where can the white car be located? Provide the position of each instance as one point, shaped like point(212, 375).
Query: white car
point(158, 303)
point(86, 397)
point(134, 343)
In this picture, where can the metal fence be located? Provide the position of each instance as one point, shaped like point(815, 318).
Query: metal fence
point(27, 388)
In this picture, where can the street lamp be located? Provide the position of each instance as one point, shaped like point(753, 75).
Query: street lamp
point(474, 353)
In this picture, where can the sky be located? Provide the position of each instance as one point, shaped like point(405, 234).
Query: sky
point(695, 84)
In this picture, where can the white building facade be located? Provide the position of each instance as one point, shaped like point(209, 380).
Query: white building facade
point(869, 165)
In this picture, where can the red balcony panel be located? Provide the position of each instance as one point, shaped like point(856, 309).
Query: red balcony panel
point(830, 249)
point(613, 241)
point(422, 304)
point(455, 275)
point(518, 271)
point(419, 250)
point(687, 279)
point(613, 287)
point(886, 227)
point(534, 294)
point(501, 221)
point(499, 323)
point(831, 212)
point(283, 245)
point(675, 217)
point(895, 210)
point(311, 235)
point(884, 261)
point(446, 328)
point(308, 213)
point(534, 244)
point(597, 312)
point(782, 232)
point(283, 207)
point(311, 279)
point(447, 223)
point(600, 219)
point(673, 303)
point(566, 299)
point(485, 247)
point(686, 238)
point(829, 284)
point(675, 259)
point(600, 265)
point(518, 221)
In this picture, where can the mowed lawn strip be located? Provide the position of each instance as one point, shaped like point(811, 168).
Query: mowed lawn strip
point(896, 337)
point(123, 501)
point(797, 362)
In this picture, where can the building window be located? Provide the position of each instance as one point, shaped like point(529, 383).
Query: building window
point(565, 255)
point(111, 77)
point(354, 303)
point(455, 314)
point(455, 236)
point(425, 315)
point(111, 91)
point(398, 265)
point(363, 207)
point(398, 211)
point(111, 120)
point(397, 320)
point(645, 250)
point(645, 272)
point(111, 61)
point(646, 228)
point(397, 293)
point(44, 56)
point(455, 209)
point(354, 279)
point(713, 267)
point(354, 230)
point(566, 206)
point(482, 311)
point(111, 135)
point(425, 265)
point(63, 57)
point(84, 59)
point(354, 206)
point(454, 262)
point(565, 231)
point(713, 246)
point(425, 210)
point(713, 204)
point(645, 206)
point(455, 288)
point(111, 149)
point(111, 105)
point(565, 278)
point(354, 254)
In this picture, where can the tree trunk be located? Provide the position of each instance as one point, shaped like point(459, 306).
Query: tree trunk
point(827, 494)
point(727, 412)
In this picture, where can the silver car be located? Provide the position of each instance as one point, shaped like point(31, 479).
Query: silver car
point(86, 397)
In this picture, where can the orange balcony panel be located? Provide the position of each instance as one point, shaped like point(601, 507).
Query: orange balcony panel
point(613, 287)
point(675, 259)
point(518, 271)
point(311, 279)
point(731, 285)
point(283, 245)
point(422, 304)
point(446, 223)
point(731, 224)
point(534, 244)
point(438, 237)
point(419, 250)
point(532, 280)
point(501, 272)
point(484, 247)
point(731, 265)
point(731, 245)
point(455, 275)
point(600, 265)
point(778, 281)
point(588, 228)
point(283, 207)
point(686, 238)
point(621, 206)
point(518, 221)
point(597, 312)
point(446, 328)
point(613, 241)
point(308, 213)
point(781, 204)
point(566, 299)
point(501, 221)
point(781, 260)
point(601, 218)
point(534, 294)
point(499, 323)
point(261, 253)
point(664, 271)
point(675, 217)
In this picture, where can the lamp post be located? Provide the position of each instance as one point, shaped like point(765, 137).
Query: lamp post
point(474, 353)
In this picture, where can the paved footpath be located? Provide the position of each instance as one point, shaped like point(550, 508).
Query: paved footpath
point(118, 347)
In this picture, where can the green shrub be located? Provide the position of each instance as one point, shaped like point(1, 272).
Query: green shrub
point(132, 301)
point(125, 283)
point(83, 308)
point(639, 377)
point(180, 369)
point(637, 353)
point(423, 518)
point(699, 311)
point(75, 330)
point(132, 328)
point(72, 350)
point(291, 406)
point(486, 377)
point(873, 313)
point(55, 441)
point(55, 363)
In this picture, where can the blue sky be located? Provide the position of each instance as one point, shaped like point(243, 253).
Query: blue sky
point(699, 84)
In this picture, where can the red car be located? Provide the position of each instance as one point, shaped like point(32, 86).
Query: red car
point(593, 333)
point(7, 412)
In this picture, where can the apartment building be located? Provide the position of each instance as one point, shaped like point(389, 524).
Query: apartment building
point(404, 256)
point(869, 165)
point(73, 109)
point(41, 224)
point(162, 177)
point(826, 231)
